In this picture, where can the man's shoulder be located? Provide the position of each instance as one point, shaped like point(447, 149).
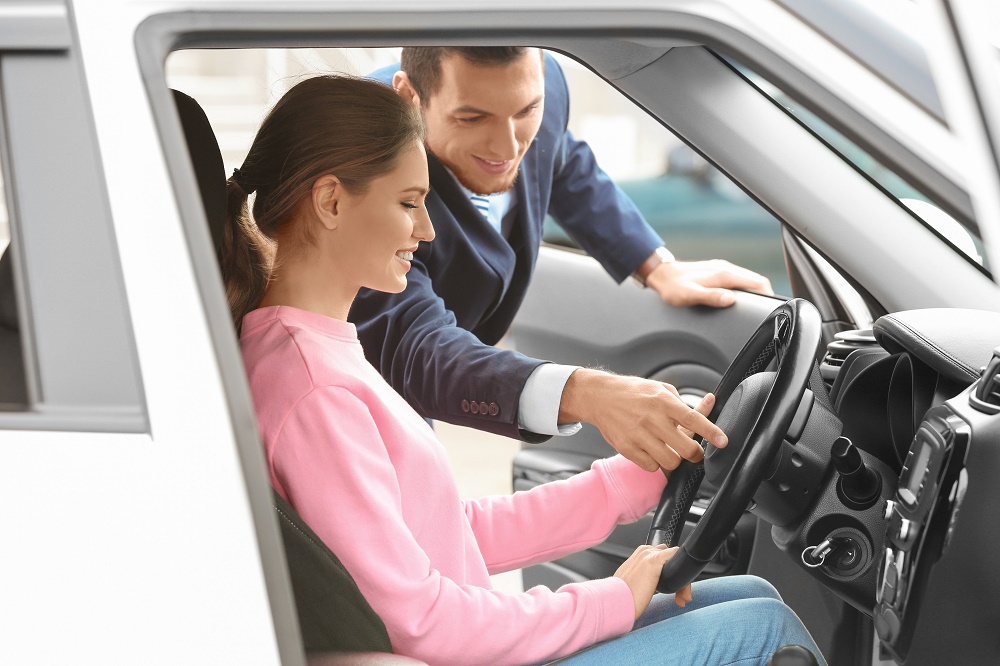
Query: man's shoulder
point(555, 79)
point(385, 74)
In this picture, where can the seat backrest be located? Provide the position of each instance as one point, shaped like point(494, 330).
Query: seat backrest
point(333, 615)
point(206, 158)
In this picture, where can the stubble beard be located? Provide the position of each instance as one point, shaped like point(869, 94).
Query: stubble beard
point(469, 184)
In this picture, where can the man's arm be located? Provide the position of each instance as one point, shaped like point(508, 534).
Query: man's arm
point(444, 371)
point(601, 218)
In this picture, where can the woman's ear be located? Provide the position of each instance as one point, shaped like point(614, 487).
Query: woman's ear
point(327, 199)
point(401, 84)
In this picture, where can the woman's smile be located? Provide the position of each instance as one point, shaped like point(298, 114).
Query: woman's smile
point(406, 256)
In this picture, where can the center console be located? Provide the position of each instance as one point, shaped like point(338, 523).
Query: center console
point(920, 522)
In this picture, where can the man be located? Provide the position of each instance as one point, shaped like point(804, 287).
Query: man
point(500, 157)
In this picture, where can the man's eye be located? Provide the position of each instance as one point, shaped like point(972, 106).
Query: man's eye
point(470, 120)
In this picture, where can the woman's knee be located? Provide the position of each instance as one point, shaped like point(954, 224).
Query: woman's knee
point(731, 588)
point(754, 587)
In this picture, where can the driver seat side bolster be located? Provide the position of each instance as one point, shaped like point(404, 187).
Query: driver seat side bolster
point(333, 615)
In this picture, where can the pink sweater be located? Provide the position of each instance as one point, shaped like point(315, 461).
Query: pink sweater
point(370, 477)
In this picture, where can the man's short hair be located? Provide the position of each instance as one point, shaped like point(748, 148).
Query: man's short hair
point(422, 64)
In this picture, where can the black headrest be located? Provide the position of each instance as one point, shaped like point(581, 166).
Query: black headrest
point(206, 157)
point(8, 305)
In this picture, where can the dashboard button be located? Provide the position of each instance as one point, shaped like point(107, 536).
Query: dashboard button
point(905, 530)
point(887, 625)
point(886, 566)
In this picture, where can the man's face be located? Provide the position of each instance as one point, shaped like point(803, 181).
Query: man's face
point(482, 119)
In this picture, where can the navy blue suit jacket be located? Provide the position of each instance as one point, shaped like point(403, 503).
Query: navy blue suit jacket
point(433, 342)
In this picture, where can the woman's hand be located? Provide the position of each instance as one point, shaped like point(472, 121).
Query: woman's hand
point(641, 572)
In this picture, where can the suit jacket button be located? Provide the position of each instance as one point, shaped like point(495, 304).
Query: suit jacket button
point(484, 408)
point(465, 406)
point(474, 407)
point(494, 409)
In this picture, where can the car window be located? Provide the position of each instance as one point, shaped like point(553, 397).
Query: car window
point(699, 212)
point(67, 353)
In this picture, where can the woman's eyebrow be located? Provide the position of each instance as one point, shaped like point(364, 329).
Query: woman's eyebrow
point(416, 188)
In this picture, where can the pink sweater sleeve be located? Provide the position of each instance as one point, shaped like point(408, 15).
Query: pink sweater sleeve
point(331, 458)
point(562, 517)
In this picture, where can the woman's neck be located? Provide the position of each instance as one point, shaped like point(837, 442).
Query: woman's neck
point(309, 283)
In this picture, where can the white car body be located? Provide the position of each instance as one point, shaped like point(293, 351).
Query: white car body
point(152, 540)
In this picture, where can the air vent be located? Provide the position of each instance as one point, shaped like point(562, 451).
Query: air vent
point(987, 395)
point(837, 351)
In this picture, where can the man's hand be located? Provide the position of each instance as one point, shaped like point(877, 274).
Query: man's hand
point(704, 282)
point(644, 420)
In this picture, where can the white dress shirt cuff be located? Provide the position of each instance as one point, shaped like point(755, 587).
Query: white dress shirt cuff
point(538, 408)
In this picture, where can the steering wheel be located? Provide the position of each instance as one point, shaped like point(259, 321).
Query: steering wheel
point(792, 334)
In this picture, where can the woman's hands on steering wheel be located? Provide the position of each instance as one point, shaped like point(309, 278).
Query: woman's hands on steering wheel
point(641, 572)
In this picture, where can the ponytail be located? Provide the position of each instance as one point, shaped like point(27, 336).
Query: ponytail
point(246, 255)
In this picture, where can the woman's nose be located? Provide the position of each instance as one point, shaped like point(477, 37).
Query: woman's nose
point(423, 228)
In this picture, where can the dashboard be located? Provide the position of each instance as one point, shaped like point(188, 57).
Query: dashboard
point(909, 395)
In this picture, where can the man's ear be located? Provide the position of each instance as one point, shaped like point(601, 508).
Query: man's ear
point(327, 199)
point(404, 88)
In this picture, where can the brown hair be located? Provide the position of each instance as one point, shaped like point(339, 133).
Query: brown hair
point(422, 64)
point(356, 129)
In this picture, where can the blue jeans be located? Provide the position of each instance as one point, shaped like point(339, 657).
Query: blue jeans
point(738, 620)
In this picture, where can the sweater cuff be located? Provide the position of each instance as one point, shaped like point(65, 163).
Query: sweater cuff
point(614, 598)
point(639, 489)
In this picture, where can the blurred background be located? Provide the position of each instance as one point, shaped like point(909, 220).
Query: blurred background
point(699, 213)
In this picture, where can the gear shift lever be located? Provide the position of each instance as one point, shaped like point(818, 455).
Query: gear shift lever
point(859, 485)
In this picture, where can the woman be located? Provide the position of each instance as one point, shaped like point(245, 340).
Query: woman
point(340, 176)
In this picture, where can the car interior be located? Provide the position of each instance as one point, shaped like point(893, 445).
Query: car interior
point(334, 618)
point(860, 479)
point(853, 466)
